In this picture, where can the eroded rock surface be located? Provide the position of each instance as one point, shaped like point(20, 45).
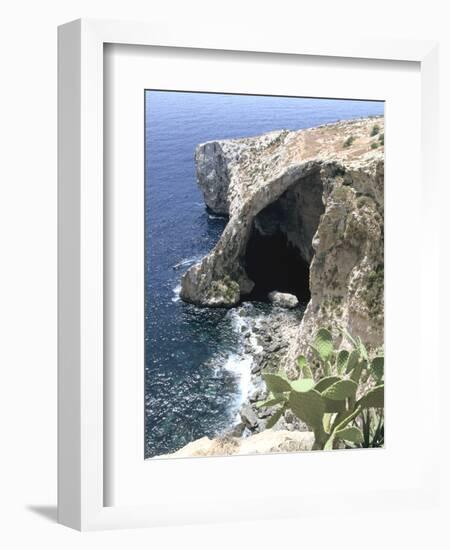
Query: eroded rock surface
point(320, 203)
point(269, 441)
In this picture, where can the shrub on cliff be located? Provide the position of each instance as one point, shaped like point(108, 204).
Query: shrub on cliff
point(375, 130)
point(345, 405)
point(374, 290)
point(349, 141)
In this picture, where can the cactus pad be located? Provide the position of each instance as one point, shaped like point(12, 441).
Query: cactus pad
point(326, 382)
point(309, 407)
point(374, 398)
point(270, 402)
point(334, 406)
point(274, 418)
point(305, 369)
point(341, 390)
point(302, 385)
point(352, 361)
point(276, 383)
point(341, 361)
point(377, 367)
point(323, 344)
point(350, 433)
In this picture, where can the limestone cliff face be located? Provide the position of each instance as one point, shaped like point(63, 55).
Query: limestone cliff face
point(347, 269)
point(321, 199)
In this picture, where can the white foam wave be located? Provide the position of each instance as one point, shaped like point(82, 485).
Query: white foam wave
point(187, 262)
point(214, 217)
point(243, 324)
point(240, 366)
point(176, 291)
point(241, 361)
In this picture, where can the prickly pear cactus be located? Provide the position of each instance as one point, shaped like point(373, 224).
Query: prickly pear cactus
point(330, 406)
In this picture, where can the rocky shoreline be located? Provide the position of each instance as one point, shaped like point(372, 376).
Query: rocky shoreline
point(267, 332)
point(267, 338)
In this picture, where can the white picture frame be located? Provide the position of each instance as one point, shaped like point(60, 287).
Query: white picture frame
point(82, 483)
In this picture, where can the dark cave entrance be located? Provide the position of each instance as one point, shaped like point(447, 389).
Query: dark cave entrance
point(275, 264)
point(279, 248)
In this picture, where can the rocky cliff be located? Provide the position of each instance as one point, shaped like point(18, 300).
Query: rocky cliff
point(306, 219)
point(311, 204)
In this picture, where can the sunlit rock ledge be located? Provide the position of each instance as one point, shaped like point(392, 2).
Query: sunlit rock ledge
point(268, 441)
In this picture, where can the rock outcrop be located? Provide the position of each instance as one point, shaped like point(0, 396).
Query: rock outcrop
point(283, 299)
point(317, 198)
point(269, 441)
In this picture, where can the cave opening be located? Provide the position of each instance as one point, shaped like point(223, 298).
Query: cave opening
point(273, 263)
point(279, 247)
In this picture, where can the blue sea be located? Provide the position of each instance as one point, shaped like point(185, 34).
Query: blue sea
point(196, 372)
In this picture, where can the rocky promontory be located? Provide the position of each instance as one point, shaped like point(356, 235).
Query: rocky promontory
point(321, 192)
point(305, 231)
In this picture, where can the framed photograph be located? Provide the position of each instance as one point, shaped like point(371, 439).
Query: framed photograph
point(242, 320)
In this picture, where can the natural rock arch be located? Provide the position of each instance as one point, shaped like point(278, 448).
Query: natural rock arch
point(284, 185)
